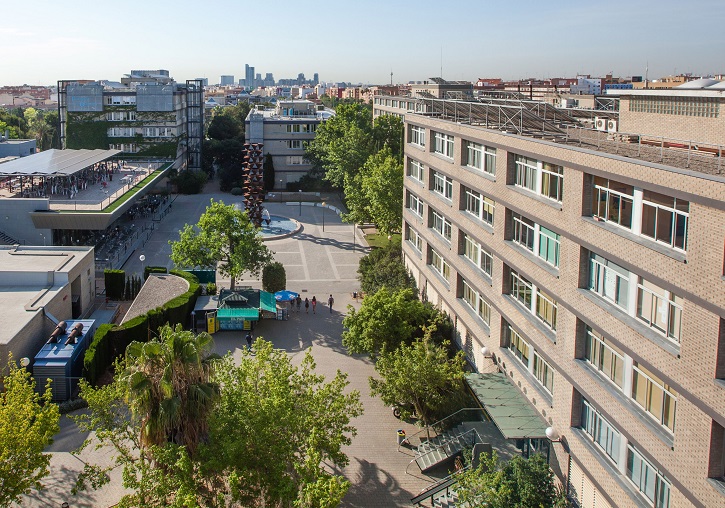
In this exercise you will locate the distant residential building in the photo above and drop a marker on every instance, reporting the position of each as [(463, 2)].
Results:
[(12, 148), (226, 80), (439, 88), (586, 85), (204, 81), (147, 116), (284, 131), (662, 83)]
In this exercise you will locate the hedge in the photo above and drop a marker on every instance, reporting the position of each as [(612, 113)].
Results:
[(115, 283), (111, 341), (152, 269)]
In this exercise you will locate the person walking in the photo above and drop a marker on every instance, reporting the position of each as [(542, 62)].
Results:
[(249, 340), (330, 301), (307, 305), (314, 304), (298, 301)]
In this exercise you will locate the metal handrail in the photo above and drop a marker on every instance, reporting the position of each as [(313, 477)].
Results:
[(436, 487), (437, 447), (442, 420)]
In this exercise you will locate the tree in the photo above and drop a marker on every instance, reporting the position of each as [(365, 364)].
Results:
[(274, 277), (170, 388), (268, 173), (224, 127), (275, 425), (385, 320), (420, 376), (382, 184), (388, 131), (28, 422), (384, 267), (517, 483), (223, 236)]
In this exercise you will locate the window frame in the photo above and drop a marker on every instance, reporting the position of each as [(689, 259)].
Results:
[(475, 301), (600, 354), (417, 135), (673, 312), (593, 423), (443, 185), (419, 173), (651, 381), (441, 225), (443, 144), (660, 481), (543, 372), (483, 259), (415, 205), (444, 270)]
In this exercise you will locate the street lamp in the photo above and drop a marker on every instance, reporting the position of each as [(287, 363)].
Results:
[(25, 361), (300, 196), (323, 216), (142, 258)]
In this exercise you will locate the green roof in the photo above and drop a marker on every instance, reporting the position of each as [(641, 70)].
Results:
[(267, 302), (514, 416), (239, 313)]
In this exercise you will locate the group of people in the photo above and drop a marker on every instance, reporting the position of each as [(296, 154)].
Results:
[(297, 303)]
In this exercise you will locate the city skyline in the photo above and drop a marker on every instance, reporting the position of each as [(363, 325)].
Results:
[(342, 44)]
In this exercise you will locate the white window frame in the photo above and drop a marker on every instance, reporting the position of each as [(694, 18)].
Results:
[(602, 433), (667, 392), (476, 302), (606, 196), (638, 472), (606, 279), (443, 185), (415, 204), (416, 170), (441, 224), (532, 175), (474, 252), (480, 206), (417, 135), (414, 239), (551, 306), (294, 144), (662, 303), (294, 128), (514, 339), (440, 265), (605, 358), (543, 372), (520, 286), (677, 216), (443, 144)]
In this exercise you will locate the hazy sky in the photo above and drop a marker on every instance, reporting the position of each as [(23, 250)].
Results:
[(44, 41)]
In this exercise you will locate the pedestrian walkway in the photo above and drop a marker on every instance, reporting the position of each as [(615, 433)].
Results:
[(318, 263)]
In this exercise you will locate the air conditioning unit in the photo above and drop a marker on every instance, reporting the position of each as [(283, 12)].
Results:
[(612, 125), (600, 124)]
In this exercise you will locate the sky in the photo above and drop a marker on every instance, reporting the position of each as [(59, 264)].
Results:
[(359, 42)]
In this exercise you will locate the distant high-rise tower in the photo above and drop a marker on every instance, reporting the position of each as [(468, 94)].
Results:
[(248, 75), (301, 78), (316, 79), (226, 80)]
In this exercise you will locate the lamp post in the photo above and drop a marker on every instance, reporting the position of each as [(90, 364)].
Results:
[(323, 216), (300, 198), (142, 258), (43, 235)]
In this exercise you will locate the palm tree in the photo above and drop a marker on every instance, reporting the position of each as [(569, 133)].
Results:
[(169, 388)]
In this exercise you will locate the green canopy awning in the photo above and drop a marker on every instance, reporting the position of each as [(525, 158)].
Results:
[(514, 416), (267, 302), (238, 313)]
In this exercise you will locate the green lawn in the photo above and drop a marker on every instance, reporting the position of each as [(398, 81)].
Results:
[(380, 240)]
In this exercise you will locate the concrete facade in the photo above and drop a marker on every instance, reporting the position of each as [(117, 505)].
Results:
[(561, 271)]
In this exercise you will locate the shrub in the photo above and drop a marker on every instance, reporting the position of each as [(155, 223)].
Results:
[(71, 405), (211, 288), (152, 269), (274, 277), (237, 191), (115, 283), (190, 182)]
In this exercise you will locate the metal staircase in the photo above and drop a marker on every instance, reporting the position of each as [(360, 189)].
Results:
[(6, 239), (446, 446)]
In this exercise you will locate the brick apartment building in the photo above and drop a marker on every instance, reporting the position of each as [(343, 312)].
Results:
[(587, 267)]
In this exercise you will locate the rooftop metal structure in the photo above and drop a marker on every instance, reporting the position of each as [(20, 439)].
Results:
[(55, 162)]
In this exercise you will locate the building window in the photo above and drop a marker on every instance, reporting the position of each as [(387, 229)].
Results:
[(600, 431), (543, 373), (417, 135), (415, 204), (480, 157), (443, 185), (609, 280), (704, 107), (441, 225), (521, 290), (294, 144), (664, 219), (604, 357), (648, 480), (440, 265), (294, 127), (524, 232), (295, 160), (660, 309), (413, 238), (415, 170), (518, 346), (716, 464), (443, 144), (480, 206), (656, 397), (476, 302), (613, 201), (549, 246), (546, 309), (478, 255), (539, 177)]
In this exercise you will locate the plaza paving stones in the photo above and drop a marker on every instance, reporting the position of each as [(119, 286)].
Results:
[(318, 263)]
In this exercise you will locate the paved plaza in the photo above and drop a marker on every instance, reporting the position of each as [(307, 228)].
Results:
[(318, 263)]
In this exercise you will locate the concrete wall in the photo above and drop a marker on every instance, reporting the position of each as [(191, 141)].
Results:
[(15, 220)]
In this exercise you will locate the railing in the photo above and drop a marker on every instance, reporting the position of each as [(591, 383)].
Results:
[(473, 432), (439, 486), (445, 424)]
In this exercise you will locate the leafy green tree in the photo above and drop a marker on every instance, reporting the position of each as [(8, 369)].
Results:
[(382, 184), (517, 483), (388, 131), (274, 277), (275, 426), (170, 388), (223, 236), (385, 320), (28, 422), (420, 375), (224, 127), (384, 267)]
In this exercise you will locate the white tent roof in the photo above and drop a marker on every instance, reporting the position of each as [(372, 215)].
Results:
[(55, 162)]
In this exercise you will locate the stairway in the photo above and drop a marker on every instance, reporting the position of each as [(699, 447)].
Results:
[(446, 446), (6, 239)]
